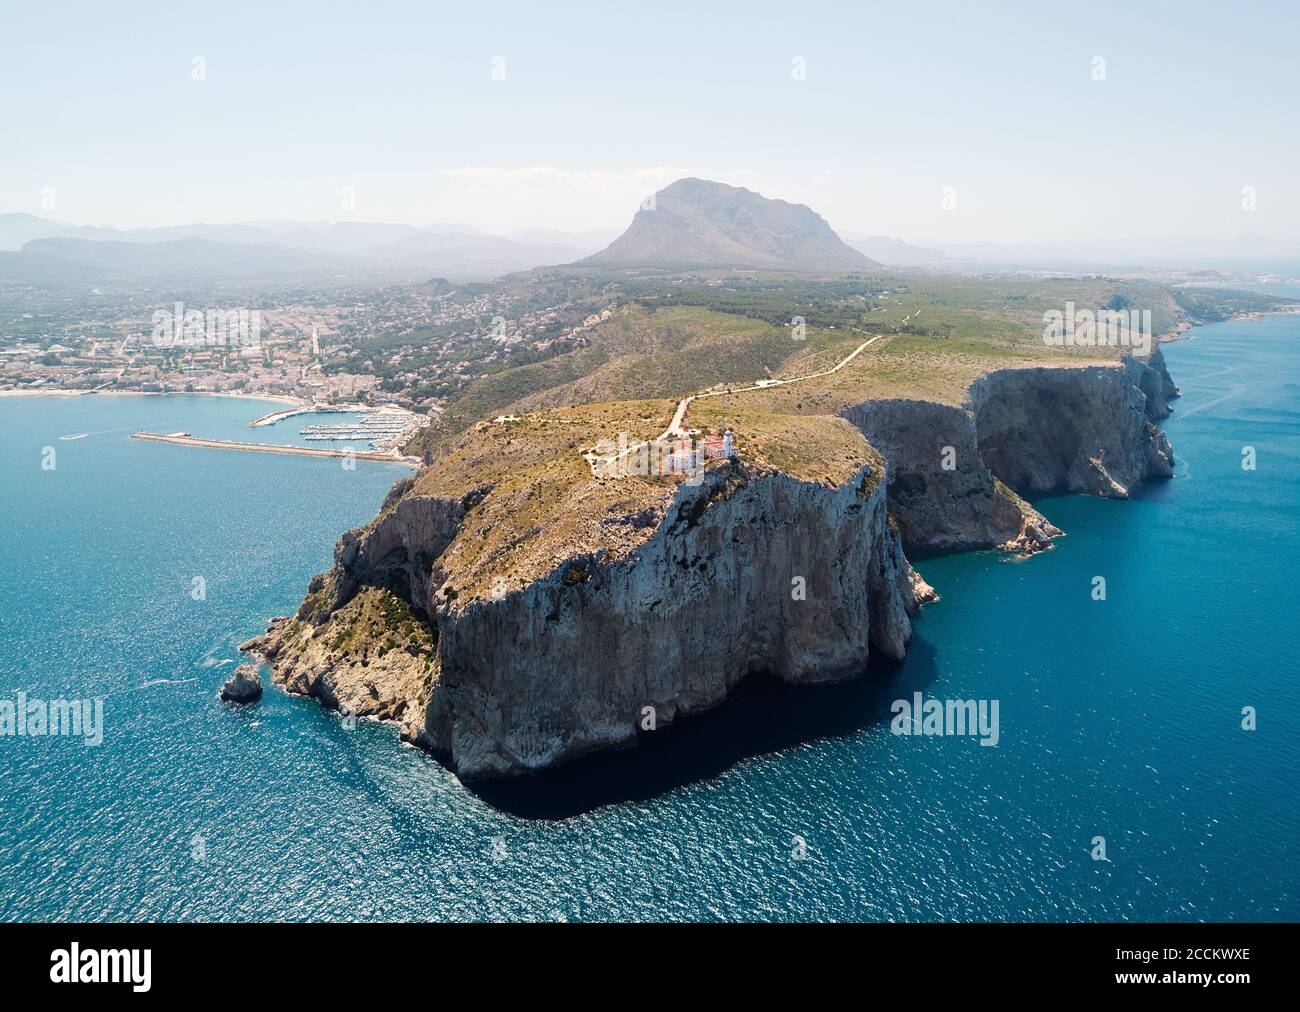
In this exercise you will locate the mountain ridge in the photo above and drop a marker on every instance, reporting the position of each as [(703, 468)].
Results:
[(51, 253)]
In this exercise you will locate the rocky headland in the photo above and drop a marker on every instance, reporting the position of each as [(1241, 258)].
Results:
[(511, 613)]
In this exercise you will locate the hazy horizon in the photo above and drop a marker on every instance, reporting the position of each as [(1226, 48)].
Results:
[(518, 118), (522, 232)]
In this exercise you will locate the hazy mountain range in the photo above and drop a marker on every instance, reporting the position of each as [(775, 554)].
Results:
[(41, 251), (1168, 251), (690, 223), (1069, 254), (894, 251)]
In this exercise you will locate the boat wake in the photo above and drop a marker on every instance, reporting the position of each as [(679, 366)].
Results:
[(164, 681), (83, 435)]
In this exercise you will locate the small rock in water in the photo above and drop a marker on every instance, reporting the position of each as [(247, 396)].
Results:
[(244, 686)]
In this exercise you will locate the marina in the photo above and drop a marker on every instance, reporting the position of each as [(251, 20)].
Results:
[(383, 430)]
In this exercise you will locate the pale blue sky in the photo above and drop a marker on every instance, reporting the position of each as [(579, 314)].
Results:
[(603, 103)]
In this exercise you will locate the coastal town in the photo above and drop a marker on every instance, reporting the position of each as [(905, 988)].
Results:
[(410, 347)]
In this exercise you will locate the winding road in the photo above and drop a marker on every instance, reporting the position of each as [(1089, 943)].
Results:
[(675, 426)]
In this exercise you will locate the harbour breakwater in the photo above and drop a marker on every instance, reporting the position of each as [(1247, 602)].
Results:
[(185, 439)]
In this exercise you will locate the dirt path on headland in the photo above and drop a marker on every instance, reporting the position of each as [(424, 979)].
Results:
[(676, 428)]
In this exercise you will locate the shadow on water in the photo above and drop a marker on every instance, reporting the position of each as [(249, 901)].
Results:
[(763, 715)]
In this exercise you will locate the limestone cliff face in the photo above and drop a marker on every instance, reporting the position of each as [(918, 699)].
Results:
[(747, 572), (955, 472), (751, 570), (1152, 378), (397, 551), (940, 493), (1084, 430)]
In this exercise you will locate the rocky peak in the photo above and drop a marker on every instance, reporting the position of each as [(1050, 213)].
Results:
[(700, 222)]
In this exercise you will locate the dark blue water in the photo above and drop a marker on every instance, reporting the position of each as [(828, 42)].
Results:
[(1119, 718)]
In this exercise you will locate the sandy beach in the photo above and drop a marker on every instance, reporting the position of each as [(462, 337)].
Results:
[(273, 398)]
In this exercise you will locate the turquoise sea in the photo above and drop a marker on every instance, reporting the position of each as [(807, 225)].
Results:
[(1119, 718)]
